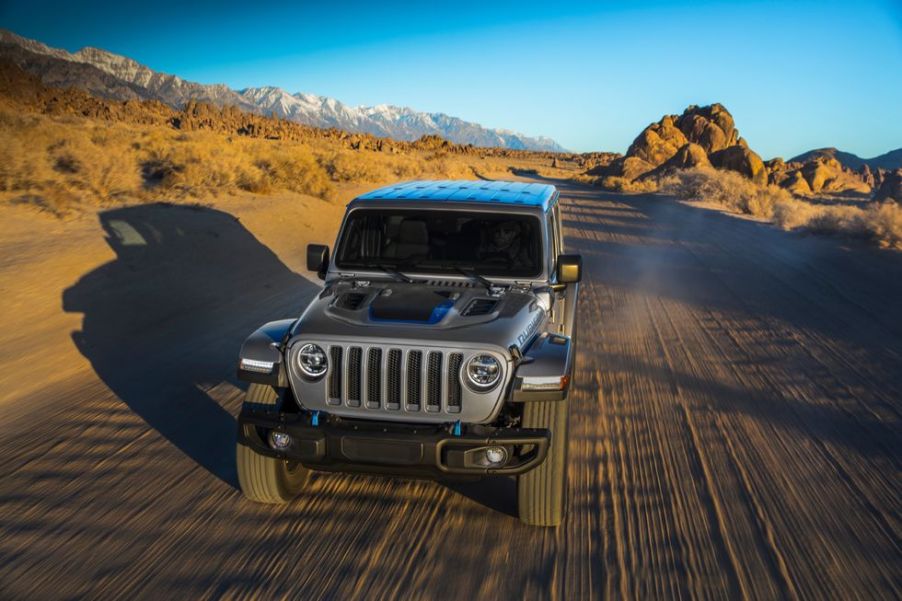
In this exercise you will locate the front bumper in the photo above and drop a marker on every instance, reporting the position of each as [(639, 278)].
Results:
[(390, 448)]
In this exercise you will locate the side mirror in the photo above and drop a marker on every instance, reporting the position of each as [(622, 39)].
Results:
[(318, 259), (569, 269)]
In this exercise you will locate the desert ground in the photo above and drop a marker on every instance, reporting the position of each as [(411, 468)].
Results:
[(735, 429)]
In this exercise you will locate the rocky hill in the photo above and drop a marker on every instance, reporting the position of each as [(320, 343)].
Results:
[(707, 137), (113, 76), (701, 136), (889, 161)]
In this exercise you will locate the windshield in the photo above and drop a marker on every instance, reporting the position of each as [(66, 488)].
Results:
[(440, 241)]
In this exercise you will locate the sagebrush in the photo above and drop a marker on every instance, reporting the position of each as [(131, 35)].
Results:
[(881, 223)]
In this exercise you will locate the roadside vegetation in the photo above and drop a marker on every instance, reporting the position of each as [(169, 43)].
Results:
[(61, 163), (879, 222)]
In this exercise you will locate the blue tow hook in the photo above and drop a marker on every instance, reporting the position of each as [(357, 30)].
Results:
[(314, 420), (456, 430)]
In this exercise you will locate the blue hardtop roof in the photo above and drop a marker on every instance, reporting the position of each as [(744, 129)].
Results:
[(497, 192)]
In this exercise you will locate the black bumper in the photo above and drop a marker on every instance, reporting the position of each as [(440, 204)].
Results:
[(393, 449)]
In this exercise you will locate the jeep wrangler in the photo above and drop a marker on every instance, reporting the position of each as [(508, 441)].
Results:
[(441, 346)]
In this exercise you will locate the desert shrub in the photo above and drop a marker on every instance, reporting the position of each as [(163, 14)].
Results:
[(623, 184), (726, 188), (354, 166), (884, 222), (293, 169), (881, 223), (63, 162), (199, 163)]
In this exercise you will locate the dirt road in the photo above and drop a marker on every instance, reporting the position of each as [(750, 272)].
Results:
[(735, 432)]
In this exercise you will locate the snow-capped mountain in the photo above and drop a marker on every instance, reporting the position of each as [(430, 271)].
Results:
[(114, 76), (398, 122)]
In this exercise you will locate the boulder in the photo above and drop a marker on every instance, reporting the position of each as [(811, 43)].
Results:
[(742, 160), (688, 156), (866, 175), (628, 167), (890, 186), (657, 142), (711, 127), (796, 184)]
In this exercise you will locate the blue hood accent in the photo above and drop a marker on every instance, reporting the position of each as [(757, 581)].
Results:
[(438, 313)]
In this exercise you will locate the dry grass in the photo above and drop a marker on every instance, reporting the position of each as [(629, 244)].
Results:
[(59, 164), (623, 184), (881, 223)]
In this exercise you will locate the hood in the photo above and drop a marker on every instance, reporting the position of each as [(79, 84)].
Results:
[(443, 311)]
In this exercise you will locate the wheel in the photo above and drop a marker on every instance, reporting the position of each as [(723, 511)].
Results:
[(267, 479), (542, 492)]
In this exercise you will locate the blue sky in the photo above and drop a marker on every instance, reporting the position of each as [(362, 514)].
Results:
[(795, 75)]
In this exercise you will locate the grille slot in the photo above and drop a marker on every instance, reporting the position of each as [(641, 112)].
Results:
[(393, 375), (454, 391), (480, 306), (335, 375), (374, 378), (414, 366), (354, 358), (434, 382)]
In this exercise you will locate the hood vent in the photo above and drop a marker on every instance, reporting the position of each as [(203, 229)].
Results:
[(480, 306), (350, 300)]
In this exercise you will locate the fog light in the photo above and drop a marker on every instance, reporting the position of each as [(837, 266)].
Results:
[(492, 457), (279, 440), (495, 455)]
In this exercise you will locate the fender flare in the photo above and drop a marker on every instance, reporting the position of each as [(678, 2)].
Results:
[(261, 358), (544, 371)]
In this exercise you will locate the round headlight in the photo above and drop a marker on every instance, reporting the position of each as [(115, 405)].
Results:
[(483, 372), (312, 360)]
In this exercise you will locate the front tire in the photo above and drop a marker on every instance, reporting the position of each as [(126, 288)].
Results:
[(542, 492), (267, 479)]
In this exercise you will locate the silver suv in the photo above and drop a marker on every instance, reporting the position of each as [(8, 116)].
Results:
[(441, 346)]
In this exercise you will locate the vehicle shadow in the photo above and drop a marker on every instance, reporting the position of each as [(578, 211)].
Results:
[(498, 493), (164, 320)]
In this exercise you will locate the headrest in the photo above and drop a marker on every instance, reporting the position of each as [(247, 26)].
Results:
[(413, 231)]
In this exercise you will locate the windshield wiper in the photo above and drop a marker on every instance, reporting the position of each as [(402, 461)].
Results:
[(474, 275), (394, 273)]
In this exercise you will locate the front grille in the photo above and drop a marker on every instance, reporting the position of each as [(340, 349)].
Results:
[(395, 380)]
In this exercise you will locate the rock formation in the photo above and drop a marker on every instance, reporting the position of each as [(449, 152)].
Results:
[(890, 186), (706, 137), (700, 137)]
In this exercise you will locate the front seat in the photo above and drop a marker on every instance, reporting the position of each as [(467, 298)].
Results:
[(412, 241)]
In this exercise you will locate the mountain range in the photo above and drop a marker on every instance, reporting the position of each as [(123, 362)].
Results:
[(889, 160), (117, 77)]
